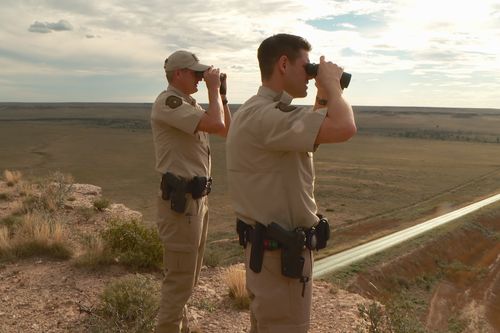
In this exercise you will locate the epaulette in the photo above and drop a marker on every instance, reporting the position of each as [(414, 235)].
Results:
[(173, 101), (285, 107)]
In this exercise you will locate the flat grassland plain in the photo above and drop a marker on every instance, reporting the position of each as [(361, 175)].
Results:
[(404, 166)]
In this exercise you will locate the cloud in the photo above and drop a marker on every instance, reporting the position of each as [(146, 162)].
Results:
[(62, 25), (46, 27), (373, 39), (361, 22)]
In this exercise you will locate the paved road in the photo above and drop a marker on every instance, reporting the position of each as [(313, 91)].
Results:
[(336, 261)]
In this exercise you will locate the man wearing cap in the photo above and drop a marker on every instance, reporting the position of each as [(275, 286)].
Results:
[(269, 151), (180, 133)]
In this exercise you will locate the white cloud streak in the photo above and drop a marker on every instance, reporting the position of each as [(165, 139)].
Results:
[(46, 27)]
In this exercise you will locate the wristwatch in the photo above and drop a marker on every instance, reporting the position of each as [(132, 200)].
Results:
[(321, 101)]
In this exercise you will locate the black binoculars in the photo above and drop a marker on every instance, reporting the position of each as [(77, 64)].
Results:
[(223, 87), (312, 70)]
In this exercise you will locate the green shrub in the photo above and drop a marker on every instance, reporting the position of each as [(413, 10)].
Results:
[(133, 244), (37, 248), (374, 318), (457, 325), (403, 313), (95, 254), (101, 204), (128, 304)]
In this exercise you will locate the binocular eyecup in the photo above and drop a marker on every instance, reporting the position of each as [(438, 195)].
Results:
[(312, 70)]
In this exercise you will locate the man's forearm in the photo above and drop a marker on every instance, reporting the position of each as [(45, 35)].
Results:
[(215, 109)]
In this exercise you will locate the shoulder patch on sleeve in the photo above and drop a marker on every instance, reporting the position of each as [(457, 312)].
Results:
[(285, 107), (173, 102)]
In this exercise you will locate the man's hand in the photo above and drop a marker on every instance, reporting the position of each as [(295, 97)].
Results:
[(223, 85), (328, 78), (212, 78), (339, 124)]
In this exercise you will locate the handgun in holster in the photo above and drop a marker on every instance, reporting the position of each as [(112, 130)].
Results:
[(174, 188), (292, 244), (243, 231), (257, 251)]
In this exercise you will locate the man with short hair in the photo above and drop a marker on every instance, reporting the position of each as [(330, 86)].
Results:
[(270, 149), (180, 133)]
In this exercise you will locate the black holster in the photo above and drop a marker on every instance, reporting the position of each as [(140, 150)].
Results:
[(322, 231), (243, 231), (200, 186), (292, 243), (257, 251), (174, 188)]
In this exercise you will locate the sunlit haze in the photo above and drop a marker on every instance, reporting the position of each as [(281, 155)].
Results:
[(440, 53)]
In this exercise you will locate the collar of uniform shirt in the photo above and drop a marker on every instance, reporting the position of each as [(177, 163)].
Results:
[(282, 96), (188, 98)]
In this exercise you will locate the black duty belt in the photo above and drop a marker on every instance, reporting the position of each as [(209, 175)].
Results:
[(174, 188), (292, 244), (314, 238)]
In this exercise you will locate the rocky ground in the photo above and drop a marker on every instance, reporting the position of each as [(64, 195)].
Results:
[(42, 295)]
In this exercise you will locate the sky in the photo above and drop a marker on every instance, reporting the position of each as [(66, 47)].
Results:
[(439, 53)]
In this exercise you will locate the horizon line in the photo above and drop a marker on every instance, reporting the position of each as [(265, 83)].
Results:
[(353, 105)]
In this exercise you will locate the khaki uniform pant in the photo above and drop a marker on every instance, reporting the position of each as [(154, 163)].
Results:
[(183, 237), (277, 304)]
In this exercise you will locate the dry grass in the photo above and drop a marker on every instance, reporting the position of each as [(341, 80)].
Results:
[(49, 194), (12, 177), (36, 234), (234, 277), (4, 239), (17, 207), (56, 190), (39, 227), (27, 189), (95, 254)]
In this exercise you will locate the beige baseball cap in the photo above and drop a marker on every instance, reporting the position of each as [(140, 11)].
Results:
[(183, 59)]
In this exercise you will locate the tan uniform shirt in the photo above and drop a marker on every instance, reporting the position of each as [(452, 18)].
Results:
[(270, 161), (178, 148)]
